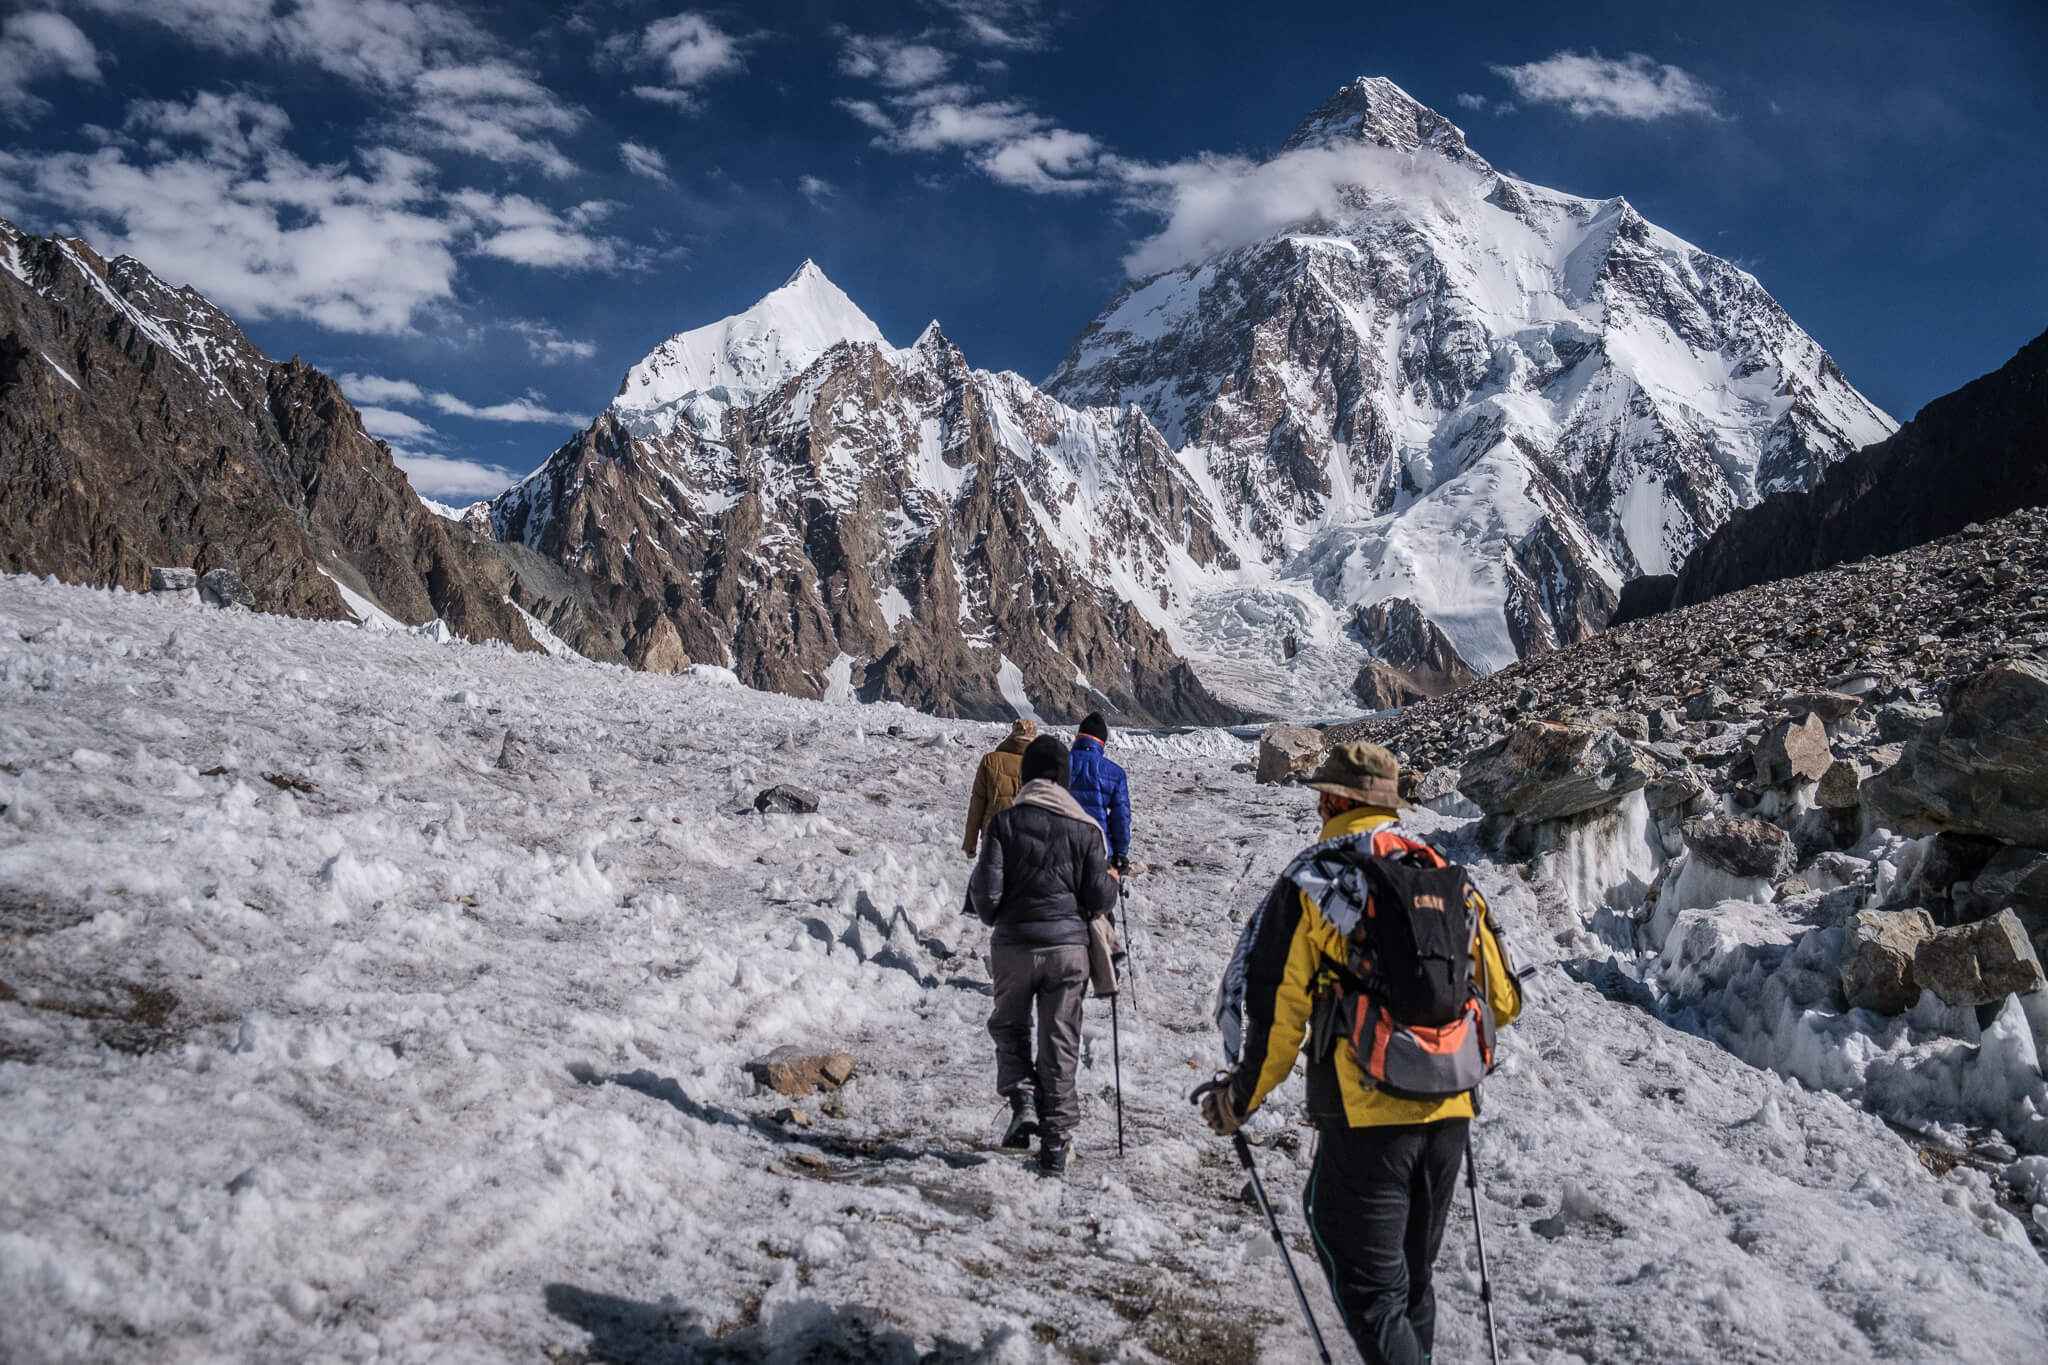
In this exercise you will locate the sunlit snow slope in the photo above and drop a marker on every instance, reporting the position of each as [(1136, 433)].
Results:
[(362, 998)]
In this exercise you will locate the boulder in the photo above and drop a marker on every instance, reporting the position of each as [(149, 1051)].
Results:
[(799, 1071), (784, 799), (1831, 707), (658, 648), (1792, 751), (1707, 703), (1663, 723), (1900, 721), (1741, 847), (173, 580), (224, 588), (1841, 786), (1977, 964), (1288, 753), (2015, 879), (1980, 769), (1676, 788), (1422, 788), (1876, 965), (1547, 771)]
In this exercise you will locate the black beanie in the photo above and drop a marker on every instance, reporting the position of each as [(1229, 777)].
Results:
[(1046, 757), (1095, 727)]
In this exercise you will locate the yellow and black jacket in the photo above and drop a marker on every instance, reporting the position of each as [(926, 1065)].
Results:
[(1269, 995)]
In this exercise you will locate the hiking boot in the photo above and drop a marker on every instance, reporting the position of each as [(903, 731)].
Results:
[(1053, 1152), (1023, 1118)]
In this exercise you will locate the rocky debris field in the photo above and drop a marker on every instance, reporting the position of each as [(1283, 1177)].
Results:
[(1808, 820), (1895, 633)]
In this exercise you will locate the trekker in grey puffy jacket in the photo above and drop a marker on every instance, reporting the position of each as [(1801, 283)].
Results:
[(1042, 875)]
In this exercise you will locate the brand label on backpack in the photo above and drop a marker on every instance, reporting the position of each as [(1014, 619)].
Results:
[(1405, 995)]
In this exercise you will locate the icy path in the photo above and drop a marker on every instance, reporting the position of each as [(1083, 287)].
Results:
[(335, 1023)]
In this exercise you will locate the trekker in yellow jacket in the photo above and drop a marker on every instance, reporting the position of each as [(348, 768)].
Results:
[(1379, 1191)]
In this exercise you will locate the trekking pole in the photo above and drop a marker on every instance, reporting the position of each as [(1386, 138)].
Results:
[(1123, 900), (1116, 1053), (1479, 1235), (1244, 1155)]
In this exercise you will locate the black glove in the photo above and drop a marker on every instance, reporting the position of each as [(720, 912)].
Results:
[(1121, 864)]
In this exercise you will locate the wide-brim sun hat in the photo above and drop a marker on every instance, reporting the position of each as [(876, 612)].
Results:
[(1359, 771)]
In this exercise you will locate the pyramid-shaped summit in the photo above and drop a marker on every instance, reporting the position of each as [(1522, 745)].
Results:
[(694, 376), (1373, 109)]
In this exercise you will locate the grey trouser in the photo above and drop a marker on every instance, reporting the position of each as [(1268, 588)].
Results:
[(1057, 979)]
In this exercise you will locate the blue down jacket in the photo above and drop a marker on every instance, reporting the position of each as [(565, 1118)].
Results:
[(1101, 788)]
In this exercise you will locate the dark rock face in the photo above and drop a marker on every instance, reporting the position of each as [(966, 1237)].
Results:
[(139, 429), (1971, 456), (1412, 660), (1649, 595)]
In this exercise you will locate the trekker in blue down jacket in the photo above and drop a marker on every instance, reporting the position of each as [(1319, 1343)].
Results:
[(1101, 788)]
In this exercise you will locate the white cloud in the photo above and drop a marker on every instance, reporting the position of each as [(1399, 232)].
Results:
[(1045, 163), (870, 113), (644, 161), (375, 389), (354, 250), (1011, 24), (449, 86), (370, 388), (36, 44), (939, 126), (815, 189), (458, 482), (395, 426), (547, 342), (893, 62), (516, 228), (690, 50), (1636, 87), (1471, 101), (231, 128), (1213, 204)]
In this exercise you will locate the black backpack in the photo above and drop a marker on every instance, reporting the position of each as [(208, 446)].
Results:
[(1405, 995)]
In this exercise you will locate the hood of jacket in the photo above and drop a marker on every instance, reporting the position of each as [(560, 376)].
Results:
[(1049, 795), (1015, 744)]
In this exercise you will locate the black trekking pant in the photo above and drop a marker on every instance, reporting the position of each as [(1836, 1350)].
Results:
[(1377, 1202)]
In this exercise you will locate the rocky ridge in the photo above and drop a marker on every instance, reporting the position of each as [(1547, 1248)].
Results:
[(140, 428), (859, 521), (1817, 808), (1971, 455)]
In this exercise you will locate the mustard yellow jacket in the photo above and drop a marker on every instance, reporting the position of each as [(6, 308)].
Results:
[(1285, 956)]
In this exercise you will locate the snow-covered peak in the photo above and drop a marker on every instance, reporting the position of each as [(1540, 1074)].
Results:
[(1374, 109), (695, 376)]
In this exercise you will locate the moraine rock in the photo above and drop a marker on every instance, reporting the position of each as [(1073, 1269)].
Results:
[(224, 588), (173, 580), (1977, 964), (1900, 721), (1288, 753), (1707, 703), (1793, 751), (1741, 847), (784, 799), (1982, 768), (1544, 771), (1831, 707), (795, 1071), (1876, 965), (1840, 786)]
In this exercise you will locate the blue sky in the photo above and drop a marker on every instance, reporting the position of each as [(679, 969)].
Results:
[(482, 215)]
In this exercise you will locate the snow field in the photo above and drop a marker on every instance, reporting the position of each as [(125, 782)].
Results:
[(371, 999)]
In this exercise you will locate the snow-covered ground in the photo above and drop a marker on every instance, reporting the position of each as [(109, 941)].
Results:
[(363, 998)]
